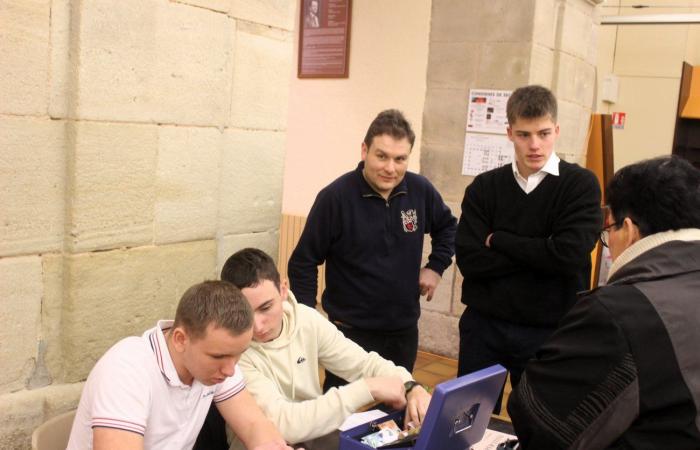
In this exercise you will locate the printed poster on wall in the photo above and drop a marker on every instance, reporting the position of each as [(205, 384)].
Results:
[(487, 111), (486, 144)]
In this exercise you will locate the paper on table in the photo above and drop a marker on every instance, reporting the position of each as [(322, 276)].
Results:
[(361, 418), (491, 440)]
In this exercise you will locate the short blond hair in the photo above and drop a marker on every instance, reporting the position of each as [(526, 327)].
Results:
[(213, 302)]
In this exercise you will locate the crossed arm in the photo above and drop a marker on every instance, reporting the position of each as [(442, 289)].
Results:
[(474, 258), (573, 235), (500, 252)]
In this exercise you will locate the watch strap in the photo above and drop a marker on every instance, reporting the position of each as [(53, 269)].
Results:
[(409, 385)]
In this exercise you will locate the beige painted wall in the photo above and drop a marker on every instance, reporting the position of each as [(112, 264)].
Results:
[(647, 59), (328, 118)]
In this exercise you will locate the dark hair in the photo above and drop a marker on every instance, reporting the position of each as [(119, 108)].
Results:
[(248, 267), (531, 102), (393, 123), (658, 194), (213, 302)]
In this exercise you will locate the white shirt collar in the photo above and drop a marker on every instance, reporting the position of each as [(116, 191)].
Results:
[(552, 165), (528, 184), (159, 344)]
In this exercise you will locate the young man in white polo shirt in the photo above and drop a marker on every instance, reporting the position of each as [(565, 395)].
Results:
[(153, 392)]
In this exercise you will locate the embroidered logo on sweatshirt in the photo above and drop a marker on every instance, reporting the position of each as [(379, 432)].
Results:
[(301, 360), (410, 220)]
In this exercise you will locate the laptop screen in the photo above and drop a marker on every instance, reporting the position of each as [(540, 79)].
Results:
[(460, 410), (457, 416)]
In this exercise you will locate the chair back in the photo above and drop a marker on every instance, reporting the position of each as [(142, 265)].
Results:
[(53, 434)]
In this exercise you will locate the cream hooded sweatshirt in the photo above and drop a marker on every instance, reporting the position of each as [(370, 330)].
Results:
[(283, 376)]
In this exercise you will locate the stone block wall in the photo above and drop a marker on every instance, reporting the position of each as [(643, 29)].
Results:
[(499, 44), (141, 143)]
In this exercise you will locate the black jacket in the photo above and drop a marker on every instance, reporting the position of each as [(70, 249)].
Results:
[(623, 369)]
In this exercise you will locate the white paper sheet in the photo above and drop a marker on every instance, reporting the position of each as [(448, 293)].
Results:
[(486, 111), (484, 152), (360, 418)]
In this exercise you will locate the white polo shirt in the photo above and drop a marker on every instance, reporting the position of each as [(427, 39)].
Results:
[(134, 387)]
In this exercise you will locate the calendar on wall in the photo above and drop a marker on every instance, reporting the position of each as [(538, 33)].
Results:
[(484, 152), (486, 144)]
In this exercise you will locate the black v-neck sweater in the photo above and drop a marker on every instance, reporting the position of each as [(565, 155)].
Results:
[(540, 249)]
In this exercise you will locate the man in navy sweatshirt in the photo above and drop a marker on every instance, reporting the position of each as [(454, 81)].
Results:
[(368, 227), (524, 241)]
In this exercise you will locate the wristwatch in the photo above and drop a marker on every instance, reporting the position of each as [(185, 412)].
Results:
[(409, 385)]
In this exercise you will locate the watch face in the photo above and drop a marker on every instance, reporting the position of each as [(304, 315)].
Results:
[(409, 385)]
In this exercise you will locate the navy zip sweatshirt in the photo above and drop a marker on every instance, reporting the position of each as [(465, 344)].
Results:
[(372, 248)]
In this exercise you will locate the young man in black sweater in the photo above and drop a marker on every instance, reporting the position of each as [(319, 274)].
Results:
[(523, 242)]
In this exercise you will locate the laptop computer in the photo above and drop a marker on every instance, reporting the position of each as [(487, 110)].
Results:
[(457, 416)]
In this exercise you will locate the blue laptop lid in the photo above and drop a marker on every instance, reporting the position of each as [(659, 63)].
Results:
[(460, 410)]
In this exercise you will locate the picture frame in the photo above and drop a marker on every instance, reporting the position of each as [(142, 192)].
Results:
[(324, 38)]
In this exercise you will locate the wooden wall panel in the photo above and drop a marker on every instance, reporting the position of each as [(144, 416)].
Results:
[(290, 231), (599, 159)]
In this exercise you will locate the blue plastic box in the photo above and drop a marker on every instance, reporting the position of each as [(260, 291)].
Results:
[(457, 417)]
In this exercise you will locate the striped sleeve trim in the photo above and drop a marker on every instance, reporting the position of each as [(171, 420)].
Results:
[(230, 392), (566, 431), (105, 422)]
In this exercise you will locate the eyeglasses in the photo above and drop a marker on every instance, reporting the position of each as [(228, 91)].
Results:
[(605, 233)]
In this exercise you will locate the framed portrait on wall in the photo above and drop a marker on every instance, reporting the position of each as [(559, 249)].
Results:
[(324, 38)]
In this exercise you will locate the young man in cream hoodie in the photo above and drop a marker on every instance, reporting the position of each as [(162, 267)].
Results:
[(290, 342)]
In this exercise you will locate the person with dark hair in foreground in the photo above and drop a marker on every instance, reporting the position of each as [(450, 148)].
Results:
[(623, 368), (290, 342), (368, 227), (154, 391)]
